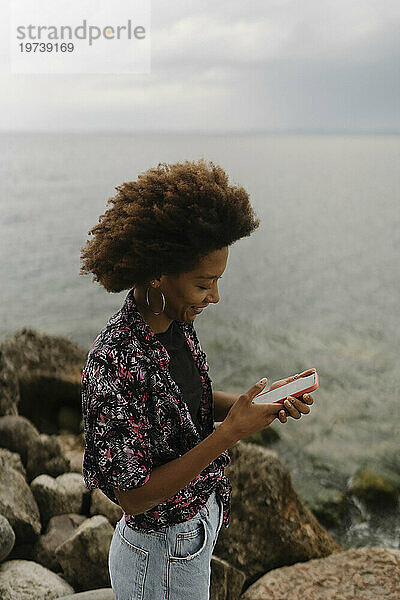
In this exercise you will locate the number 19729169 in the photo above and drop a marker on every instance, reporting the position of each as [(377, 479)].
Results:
[(46, 47)]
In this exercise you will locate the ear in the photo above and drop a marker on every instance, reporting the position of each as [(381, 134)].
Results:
[(156, 281)]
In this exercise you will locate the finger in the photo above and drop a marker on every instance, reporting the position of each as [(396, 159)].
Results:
[(299, 375), (301, 406), (307, 398), (308, 372), (270, 408), (282, 416), (281, 382), (291, 408), (256, 389)]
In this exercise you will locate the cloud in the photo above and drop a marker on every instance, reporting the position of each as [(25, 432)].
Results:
[(229, 66)]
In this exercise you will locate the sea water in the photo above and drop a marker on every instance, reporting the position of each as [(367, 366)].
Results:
[(316, 285)]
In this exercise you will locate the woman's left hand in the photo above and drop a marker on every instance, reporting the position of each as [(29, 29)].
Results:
[(295, 407)]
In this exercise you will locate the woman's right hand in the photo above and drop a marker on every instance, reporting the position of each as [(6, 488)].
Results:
[(246, 417)]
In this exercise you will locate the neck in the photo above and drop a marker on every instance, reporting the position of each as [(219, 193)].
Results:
[(158, 323)]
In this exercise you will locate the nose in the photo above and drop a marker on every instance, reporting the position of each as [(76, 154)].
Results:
[(213, 296)]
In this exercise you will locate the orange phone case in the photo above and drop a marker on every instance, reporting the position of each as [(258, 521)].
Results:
[(297, 394)]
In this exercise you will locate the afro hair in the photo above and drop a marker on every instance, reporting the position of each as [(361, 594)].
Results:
[(164, 223)]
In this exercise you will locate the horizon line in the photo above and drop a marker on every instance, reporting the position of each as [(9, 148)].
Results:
[(203, 132)]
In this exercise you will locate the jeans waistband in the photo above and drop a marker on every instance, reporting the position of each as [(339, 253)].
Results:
[(204, 510)]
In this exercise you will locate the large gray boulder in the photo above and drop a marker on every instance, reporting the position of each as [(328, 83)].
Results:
[(101, 505), (59, 529), (26, 580), (13, 460), (59, 496), (18, 434), (40, 453), (270, 526), (75, 458), (356, 574), (47, 457), (49, 370), (18, 505), (73, 447), (7, 538), (84, 556)]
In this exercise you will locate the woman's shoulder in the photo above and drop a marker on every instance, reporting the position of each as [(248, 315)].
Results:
[(116, 354)]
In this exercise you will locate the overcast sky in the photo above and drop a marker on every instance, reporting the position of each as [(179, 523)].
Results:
[(231, 66)]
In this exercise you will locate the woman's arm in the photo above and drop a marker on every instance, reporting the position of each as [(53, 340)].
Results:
[(166, 480), (222, 404), (171, 477)]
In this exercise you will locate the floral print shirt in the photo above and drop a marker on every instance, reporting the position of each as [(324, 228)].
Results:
[(135, 419)]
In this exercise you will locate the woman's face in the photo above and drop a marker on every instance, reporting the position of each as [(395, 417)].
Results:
[(187, 293)]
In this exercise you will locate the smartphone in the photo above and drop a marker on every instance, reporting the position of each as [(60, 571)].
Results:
[(296, 388)]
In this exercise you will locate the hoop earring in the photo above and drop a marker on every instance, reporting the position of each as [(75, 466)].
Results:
[(148, 302)]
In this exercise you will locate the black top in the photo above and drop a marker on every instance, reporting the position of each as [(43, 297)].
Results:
[(183, 369)]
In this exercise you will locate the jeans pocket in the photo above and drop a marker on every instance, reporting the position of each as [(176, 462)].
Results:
[(189, 544), (128, 565)]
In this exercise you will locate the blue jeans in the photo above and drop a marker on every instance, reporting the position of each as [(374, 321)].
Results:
[(172, 564)]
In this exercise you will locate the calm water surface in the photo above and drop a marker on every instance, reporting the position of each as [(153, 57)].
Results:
[(316, 285)]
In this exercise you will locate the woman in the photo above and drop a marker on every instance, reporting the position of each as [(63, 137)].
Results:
[(150, 441)]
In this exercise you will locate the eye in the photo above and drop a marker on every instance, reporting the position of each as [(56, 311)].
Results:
[(206, 288)]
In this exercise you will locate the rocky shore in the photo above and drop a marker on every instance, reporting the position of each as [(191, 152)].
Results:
[(55, 534)]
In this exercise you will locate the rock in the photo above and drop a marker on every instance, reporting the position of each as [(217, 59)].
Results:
[(374, 489), (101, 505), (322, 488), (18, 505), (330, 506), (26, 580), (70, 441), (99, 594), (270, 526), (356, 574), (73, 448), (18, 434), (39, 453), (84, 556), (13, 460), (59, 529), (9, 387), (59, 496), (7, 538), (265, 437), (75, 458), (49, 370), (46, 457), (226, 581)]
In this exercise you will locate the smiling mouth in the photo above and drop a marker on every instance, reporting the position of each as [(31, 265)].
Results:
[(197, 309)]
